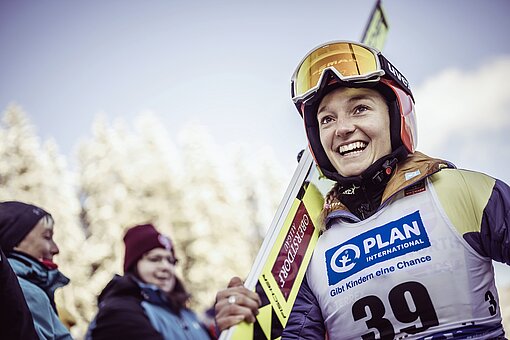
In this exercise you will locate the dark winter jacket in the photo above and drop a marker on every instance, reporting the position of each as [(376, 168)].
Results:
[(39, 284), (472, 208), (130, 310), (15, 319)]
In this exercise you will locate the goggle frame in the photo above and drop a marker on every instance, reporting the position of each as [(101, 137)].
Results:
[(383, 68)]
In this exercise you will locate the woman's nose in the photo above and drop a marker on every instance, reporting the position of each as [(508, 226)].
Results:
[(54, 248), (165, 264), (344, 127)]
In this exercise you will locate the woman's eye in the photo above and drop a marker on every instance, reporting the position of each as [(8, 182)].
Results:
[(360, 108), (325, 120)]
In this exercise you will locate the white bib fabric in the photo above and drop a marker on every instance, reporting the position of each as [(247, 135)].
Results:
[(403, 273)]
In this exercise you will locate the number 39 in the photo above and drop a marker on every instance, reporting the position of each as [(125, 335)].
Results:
[(423, 309)]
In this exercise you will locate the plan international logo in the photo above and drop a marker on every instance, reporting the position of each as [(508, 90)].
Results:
[(383, 243)]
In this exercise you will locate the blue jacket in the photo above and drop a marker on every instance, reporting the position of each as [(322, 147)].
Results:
[(15, 318), (38, 285), (470, 206), (131, 310)]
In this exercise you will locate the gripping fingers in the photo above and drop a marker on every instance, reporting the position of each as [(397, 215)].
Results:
[(229, 315), (235, 304)]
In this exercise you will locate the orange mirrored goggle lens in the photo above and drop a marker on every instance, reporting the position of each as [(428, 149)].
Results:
[(350, 60)]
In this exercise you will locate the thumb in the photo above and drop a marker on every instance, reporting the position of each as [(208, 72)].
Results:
[(235, 282)]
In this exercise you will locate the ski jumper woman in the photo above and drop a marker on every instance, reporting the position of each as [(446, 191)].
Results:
[(408, 240)]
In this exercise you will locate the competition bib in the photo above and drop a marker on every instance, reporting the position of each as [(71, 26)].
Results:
[(404, 273)]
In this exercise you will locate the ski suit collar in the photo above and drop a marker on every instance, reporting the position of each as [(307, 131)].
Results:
[(363, 193), (413, 169), (30, 269)]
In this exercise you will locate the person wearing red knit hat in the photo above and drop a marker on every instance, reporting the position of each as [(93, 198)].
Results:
[(149, 301)]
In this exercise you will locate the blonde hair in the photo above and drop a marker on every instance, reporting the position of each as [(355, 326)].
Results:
[(331, 203), (48, 220)]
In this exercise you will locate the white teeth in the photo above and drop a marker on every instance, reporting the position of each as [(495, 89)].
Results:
[(356, 146)]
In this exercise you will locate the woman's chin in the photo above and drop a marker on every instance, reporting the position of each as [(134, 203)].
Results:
[(351, 171), (166, 286), (352, 166)]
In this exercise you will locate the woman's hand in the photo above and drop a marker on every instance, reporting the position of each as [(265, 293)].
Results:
[(235, 304)]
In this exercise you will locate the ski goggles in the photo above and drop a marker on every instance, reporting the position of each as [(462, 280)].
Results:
[(350, 62)]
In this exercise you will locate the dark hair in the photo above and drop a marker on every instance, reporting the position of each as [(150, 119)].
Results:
[(177, 299)]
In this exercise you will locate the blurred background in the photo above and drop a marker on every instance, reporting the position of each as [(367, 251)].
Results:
[(122, 112)]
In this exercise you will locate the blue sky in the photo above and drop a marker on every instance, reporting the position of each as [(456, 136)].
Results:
[(226, 65), (223, 64)]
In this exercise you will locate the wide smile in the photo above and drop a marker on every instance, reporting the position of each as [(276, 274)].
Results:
[(162, 278), (352, 148)]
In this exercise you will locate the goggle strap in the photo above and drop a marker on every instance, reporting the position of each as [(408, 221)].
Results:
[(393, 73)]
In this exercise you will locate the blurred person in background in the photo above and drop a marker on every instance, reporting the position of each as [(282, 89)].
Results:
[(408, 241), (26, 237), (15, 319), (149, 301)]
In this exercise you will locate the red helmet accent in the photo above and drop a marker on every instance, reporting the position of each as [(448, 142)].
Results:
[(408, 129)]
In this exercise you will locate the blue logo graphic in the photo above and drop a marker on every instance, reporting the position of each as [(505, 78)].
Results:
[(383, 243)]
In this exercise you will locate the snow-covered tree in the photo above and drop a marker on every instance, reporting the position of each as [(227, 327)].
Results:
[(261, 181), (218, 241)]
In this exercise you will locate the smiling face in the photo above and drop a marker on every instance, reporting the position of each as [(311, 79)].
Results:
[(354, 129), (157, 267), (39, 241)]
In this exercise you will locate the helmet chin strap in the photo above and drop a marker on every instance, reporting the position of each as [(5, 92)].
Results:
[(387, 170), (375, 174)]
